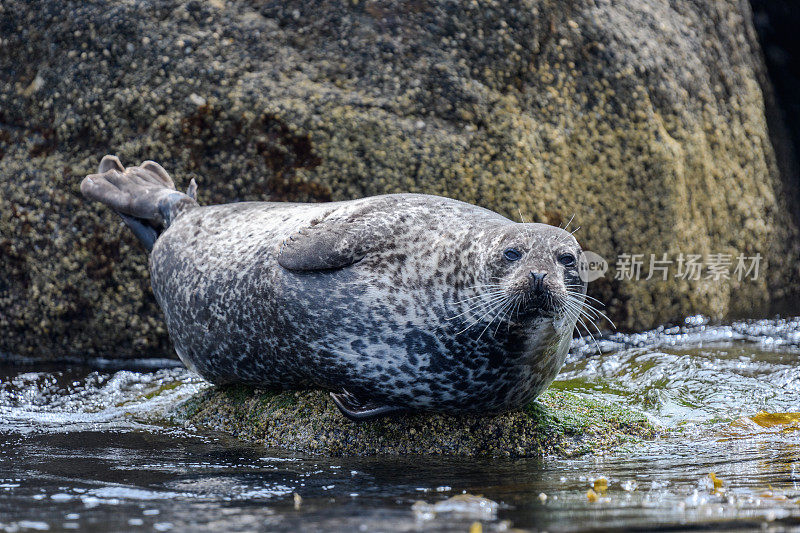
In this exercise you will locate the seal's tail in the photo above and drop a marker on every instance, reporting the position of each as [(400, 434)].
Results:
[(144, 196)]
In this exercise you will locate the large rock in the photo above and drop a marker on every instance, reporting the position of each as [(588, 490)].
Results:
[(644, 119)]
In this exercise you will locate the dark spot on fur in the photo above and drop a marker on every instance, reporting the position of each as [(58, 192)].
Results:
[(358, 345)]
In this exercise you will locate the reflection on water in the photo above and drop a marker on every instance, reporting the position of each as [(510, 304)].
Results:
[(82, 450)]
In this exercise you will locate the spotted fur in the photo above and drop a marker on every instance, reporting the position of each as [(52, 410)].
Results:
[(390, 298)]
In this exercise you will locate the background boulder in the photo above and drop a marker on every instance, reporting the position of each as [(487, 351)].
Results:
[(644, 119)]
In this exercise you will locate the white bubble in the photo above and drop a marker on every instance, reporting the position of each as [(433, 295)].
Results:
[(591, 266)]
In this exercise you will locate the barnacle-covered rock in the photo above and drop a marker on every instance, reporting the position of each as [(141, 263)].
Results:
[(644, 119)]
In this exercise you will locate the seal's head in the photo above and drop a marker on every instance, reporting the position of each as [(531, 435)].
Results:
[(535, 266)]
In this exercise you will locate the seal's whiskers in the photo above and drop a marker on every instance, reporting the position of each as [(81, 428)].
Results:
[(574, 312), (591, 311), (499, 313), (481, 304), (497, 305), (507, 314)]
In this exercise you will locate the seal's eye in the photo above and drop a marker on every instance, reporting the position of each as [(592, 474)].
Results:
[(512, 254), (568, 260)]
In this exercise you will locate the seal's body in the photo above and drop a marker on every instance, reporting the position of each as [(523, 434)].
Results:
[(392, 302)]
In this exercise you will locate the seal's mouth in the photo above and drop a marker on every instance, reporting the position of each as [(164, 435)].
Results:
[(544, 304), (540, 299)]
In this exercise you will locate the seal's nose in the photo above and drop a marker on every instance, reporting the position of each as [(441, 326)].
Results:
[(538, 281)]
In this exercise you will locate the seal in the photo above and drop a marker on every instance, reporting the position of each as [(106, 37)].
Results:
[(392, 303)]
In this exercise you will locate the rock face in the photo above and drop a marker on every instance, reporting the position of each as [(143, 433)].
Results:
[(643, 118)]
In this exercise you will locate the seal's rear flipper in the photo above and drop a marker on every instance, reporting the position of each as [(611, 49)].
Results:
[(356, 409), (144, 196)]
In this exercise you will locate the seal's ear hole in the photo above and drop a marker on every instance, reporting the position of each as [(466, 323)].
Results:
[(512, 254)]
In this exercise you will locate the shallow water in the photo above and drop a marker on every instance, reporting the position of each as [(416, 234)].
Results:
[(81, 449)]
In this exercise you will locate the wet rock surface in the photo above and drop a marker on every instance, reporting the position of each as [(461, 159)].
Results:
[(645, 120), (559, 423)]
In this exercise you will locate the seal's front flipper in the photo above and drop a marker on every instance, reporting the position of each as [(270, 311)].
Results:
[(338, 240), (357, 409), (144, 196), (321, 248)]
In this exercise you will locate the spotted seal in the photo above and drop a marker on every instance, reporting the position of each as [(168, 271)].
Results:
[(395, 302)]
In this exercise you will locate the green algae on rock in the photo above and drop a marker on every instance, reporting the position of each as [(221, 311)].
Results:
[(643, 118), (558, 423)]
